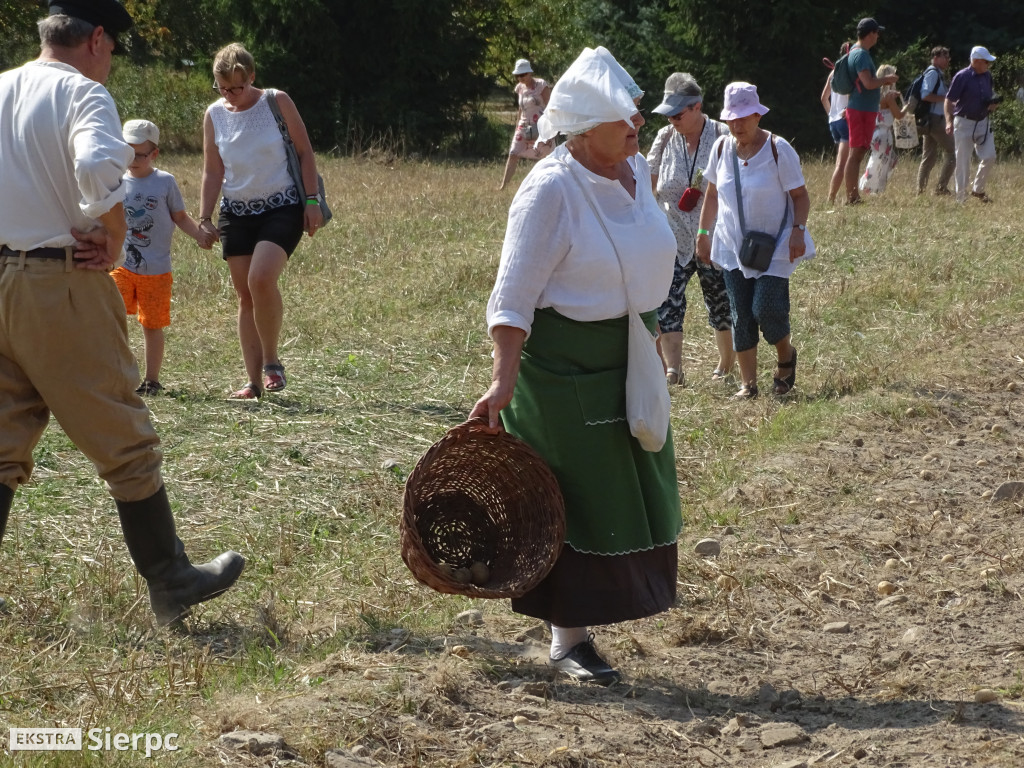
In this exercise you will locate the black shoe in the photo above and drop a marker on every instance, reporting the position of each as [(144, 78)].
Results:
[(148, 387), (583, 663)]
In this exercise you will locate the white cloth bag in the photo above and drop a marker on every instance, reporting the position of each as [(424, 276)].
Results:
[(648, 407), (647, 402), (905, 131)]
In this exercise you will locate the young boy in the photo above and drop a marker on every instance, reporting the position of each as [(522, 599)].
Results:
[(152, 206)]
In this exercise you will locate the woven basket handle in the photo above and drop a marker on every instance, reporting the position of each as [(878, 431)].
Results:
[(476, 424)]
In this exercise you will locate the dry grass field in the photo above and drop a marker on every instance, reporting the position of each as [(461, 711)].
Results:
[(785, 650)]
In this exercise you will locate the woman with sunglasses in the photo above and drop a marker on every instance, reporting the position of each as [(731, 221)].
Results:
[(533, 94), (262, 212), (677, 158)]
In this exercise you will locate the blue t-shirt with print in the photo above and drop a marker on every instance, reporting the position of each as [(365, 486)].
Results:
[(148, 205)]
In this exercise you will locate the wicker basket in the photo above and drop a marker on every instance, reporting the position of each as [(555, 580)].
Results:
[(480, 498)]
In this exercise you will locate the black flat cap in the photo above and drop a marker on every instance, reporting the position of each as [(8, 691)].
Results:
[(109, 14)]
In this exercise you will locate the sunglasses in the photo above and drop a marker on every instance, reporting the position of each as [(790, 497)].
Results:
[(233, 91), (679, 115)]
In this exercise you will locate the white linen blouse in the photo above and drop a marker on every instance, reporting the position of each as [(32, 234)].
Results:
[(62, 143), (766, 186), (556, 254)]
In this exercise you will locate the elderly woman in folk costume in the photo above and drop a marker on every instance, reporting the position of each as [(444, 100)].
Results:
[(583, 230)]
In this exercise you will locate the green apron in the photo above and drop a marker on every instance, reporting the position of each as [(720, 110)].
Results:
[(570, 406)]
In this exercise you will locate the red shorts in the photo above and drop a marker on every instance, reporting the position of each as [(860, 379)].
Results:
[(149, 295), (862, 127)]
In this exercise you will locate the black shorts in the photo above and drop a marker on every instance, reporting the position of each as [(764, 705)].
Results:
[(281, 226)]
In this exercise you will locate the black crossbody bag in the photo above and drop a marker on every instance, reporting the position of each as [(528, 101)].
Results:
[(758, 248)]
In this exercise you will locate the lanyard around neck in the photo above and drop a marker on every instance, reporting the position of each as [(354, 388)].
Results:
[(696, 152)]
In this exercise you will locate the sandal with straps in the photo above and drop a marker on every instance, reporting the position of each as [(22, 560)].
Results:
[(274, 379), (249, 392), (747, 392), (673, 377), (784, 385)]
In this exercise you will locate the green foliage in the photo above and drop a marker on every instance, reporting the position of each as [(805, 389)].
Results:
[(18, 31), (173, 99), (172, 31), (549, 34), (725, 41)]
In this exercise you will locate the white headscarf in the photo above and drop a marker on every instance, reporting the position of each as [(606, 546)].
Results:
[(595, 89)]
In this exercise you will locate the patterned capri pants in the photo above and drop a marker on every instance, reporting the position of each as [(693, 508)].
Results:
[(757, 302), (716, 299)]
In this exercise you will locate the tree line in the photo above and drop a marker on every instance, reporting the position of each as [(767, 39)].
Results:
[(417, 73)]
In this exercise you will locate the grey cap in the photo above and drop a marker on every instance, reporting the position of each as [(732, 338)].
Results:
[(681, 91)]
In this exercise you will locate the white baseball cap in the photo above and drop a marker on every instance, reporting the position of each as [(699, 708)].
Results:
[(981, 52), (141, 131)]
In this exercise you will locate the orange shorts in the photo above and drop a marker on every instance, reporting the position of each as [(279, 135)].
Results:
[(149, 295)]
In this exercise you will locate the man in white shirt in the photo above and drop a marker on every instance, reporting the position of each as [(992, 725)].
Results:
[(63, 337)]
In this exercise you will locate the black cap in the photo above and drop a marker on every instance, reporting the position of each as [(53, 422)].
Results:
[(867, 26), (109, 14)]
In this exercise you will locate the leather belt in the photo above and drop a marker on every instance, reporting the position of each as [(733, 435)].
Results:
[(36, 253)]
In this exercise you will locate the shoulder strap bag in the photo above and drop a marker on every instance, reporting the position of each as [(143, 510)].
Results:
[(758, 248), (647, 401), (294, 166)]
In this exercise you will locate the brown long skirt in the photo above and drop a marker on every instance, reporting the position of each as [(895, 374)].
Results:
[(583, 589)]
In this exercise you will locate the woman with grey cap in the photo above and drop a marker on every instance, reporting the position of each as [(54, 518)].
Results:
[(585, 241), (677, 159), (757, 202), (532, 94)]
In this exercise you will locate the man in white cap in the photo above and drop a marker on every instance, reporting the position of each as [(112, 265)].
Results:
[(969, 102), (63, 336)]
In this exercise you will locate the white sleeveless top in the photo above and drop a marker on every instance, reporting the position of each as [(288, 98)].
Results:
[(256, 174)]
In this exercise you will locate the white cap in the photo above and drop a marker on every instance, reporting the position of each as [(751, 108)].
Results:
[(141, 131), (522, 67), (981, 52)]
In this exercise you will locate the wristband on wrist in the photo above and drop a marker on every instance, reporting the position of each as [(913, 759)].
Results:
[(206, 218), (703, 232), (312, 201)]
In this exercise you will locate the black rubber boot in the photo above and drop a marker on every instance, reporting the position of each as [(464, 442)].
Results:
[(174, 583), (6, 499)]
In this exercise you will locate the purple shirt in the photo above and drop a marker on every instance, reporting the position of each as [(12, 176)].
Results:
[(970, 93)]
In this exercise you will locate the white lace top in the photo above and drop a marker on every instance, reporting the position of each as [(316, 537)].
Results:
[(255, 166)]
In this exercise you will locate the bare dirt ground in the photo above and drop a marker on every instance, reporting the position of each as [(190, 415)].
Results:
[(798, 656)]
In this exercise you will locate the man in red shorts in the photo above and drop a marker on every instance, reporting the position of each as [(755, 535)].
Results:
[(862, 110)]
